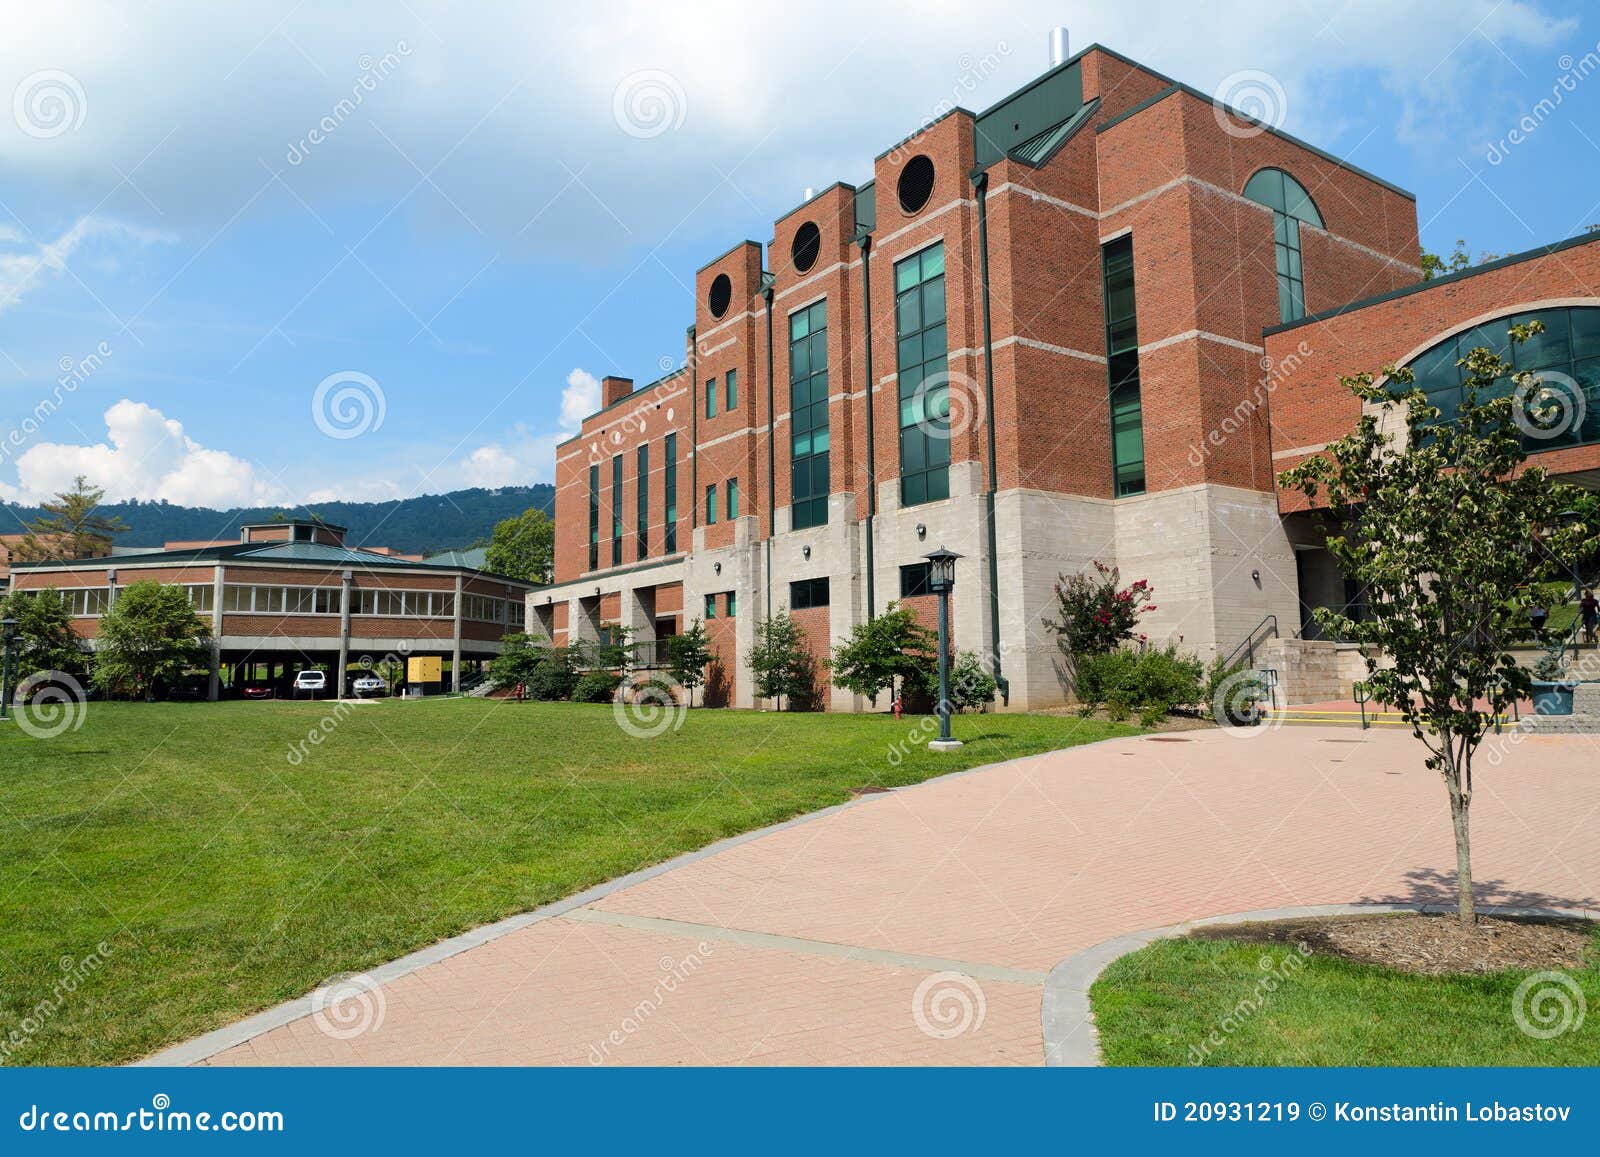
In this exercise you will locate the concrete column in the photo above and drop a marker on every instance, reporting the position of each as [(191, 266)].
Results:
[(213, 689), (455, 645), (344, 632)]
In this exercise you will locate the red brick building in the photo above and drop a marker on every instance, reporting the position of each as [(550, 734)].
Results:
[(1066, 328)]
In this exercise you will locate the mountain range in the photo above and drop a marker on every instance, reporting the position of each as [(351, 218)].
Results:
[(426, 524)]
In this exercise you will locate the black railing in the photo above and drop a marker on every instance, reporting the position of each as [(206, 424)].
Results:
[(1266, 629)]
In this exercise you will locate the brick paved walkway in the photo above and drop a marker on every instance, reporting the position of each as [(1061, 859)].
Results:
[(813, 944)]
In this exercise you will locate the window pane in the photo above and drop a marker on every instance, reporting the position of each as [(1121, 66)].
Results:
[(1550, 348)]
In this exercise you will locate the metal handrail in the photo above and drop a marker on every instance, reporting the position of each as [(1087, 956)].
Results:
[(1248, 646)]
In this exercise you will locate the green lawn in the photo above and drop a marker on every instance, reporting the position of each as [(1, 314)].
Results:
[(225, 879), (1161, 1005)]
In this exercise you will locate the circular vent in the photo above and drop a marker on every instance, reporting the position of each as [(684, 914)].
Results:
[(807, 244), (916, 183), (721, 295)]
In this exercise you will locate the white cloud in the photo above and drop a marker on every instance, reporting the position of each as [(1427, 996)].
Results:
[(23, 269), (525, 457), (514, 116), (146, 456)]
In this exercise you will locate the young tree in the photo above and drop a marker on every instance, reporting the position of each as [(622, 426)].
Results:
[(151, 635), (892, 649), (70, 526), (1439, 522), (45, 639), (523, 547), (781, 661), (688, 656), (972, 686)]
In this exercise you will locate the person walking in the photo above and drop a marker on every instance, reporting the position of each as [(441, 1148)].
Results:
[(1589, 615)]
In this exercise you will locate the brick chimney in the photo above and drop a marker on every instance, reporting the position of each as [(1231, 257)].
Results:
[(614, 389)]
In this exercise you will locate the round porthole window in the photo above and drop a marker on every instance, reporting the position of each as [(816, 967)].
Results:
[(807, 244), (721, 294), (916, 183)]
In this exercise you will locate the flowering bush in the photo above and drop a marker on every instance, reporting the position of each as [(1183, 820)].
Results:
[(1095, 616)]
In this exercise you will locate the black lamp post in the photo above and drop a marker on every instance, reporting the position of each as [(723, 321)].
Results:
[(941, 580), (8, 641)]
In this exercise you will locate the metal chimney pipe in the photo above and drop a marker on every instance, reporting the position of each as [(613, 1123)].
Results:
[(1058, 46)]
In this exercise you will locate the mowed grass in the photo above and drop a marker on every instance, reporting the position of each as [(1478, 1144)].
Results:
[(1162, 1005), (224, 878)]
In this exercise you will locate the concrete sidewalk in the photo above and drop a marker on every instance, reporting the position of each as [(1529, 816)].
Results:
[(917, 927)]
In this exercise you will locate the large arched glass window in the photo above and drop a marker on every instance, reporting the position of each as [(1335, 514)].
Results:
[(1290, 205), (1566, 356)]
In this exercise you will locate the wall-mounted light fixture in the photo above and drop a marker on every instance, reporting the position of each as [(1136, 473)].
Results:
[(717, 568), (922, 531), (805, 552), (1255, 576)]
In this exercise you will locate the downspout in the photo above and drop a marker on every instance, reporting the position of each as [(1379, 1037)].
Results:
[(772, 493), (980, 180), (694, 436), (865, 241)]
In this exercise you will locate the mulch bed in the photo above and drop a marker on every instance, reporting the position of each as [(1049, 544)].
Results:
[(1431, 945)]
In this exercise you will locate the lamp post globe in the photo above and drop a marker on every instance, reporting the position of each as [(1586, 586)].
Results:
[(941, 580)]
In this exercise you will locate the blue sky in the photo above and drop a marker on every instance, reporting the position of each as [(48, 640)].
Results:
[(505, 206)]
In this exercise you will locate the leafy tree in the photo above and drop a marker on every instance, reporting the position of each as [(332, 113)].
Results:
[(781, 661), (890, 652), (1095, 616), (688, 656), (71, 526), (45, 639), (151, 635), (1435, 266), (1442, 523), (523, 547)]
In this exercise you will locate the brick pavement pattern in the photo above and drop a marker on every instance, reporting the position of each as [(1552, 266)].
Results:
[(1014, 867)]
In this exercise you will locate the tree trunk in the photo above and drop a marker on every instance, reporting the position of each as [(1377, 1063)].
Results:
[(1466, 909)]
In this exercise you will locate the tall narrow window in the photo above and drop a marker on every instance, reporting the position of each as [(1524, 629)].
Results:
[(1290, 205), (594, 517), (1122, 363), (733, 498), (669, 535), (616, 510), (711, 606), (808, 416), (711, 505), (924, 381), (731, 393), (711, 398), (642, 522)]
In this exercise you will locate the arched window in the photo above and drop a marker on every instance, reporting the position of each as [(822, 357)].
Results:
[(1290, 205), (1566, 356)]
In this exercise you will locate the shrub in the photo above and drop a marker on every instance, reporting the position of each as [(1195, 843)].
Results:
[(1154, 678), (596, 687), (972, 687), (554, 676)]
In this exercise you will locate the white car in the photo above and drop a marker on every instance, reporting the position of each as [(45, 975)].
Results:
[(310, 683), (368, 686)]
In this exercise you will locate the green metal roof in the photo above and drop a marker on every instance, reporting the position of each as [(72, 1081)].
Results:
[(1037, 150), (476, 558), (288, 553), (1033, 109)]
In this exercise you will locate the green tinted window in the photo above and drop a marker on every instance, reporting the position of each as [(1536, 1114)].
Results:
[(923, 375), (808, 416), (1290, 205), (1122, 368)]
